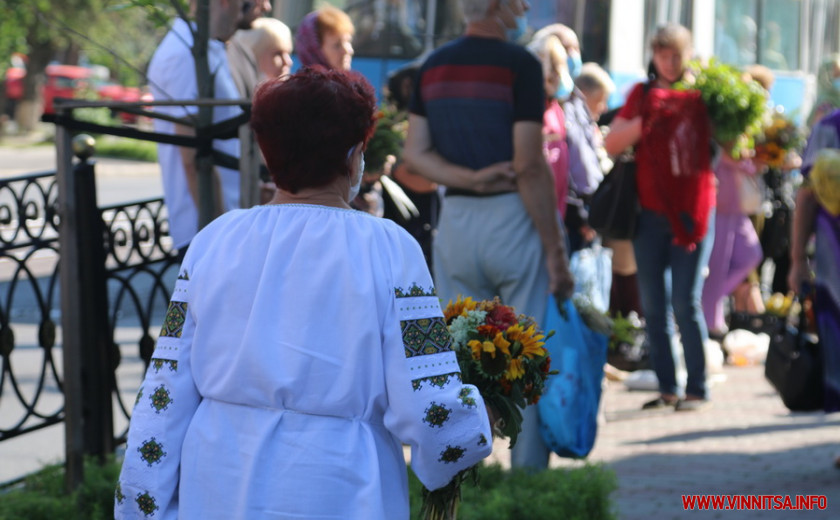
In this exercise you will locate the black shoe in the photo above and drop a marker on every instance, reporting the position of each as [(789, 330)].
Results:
[(660, 402)]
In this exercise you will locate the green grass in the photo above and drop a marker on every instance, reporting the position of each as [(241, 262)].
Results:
[(568, 494), (42, 495), (126, 149)]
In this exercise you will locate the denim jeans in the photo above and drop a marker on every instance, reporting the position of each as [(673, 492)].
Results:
[(670, 285)]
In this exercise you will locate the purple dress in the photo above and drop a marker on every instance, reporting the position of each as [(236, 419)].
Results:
[(826, 265), (736, 250)]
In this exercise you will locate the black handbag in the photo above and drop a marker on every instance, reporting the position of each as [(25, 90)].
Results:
[(794, 367), (614, 207)]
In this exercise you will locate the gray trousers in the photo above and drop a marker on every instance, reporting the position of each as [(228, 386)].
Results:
[(486, 247)]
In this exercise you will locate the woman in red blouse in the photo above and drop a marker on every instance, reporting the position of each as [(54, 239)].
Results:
[(670, 131)]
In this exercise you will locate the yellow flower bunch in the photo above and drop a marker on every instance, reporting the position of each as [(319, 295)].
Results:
[(502, 355), (779, 136)]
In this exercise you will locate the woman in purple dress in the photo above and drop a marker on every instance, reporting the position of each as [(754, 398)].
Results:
[(812, 219)]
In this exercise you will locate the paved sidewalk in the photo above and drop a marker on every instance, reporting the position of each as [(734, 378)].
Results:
[(748, 443)]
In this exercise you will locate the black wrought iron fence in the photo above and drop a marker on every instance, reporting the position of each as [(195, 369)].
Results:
[(128, 267), (30, 381), (117, 267), (141, 268)]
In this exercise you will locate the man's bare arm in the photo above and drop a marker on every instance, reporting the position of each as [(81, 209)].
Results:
[(188, 160), (191, 170), (536, 187), (804, 218), (422, 159)]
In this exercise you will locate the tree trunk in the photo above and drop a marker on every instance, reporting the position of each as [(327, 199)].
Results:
[(29, 109), (204, 160)]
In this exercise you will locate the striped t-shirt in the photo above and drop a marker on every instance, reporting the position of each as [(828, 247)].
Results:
[(471, 91)]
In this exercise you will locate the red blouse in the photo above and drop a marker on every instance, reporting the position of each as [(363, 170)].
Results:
[(673, 174)]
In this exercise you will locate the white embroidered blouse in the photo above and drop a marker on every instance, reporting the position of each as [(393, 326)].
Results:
[(302, 347)]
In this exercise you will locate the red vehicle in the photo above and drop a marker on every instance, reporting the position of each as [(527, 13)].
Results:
[(71, 81), (65, 81)]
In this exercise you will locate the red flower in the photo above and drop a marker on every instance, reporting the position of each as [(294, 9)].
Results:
[(488, 331), (501, 316), (506, 386)]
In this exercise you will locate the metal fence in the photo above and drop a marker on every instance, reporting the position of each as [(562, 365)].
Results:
[(124, 270), (117, 266), (31, 369)]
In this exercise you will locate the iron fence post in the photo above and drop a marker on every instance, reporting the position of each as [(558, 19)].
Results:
[(71, 322), (96, 347), (84, 311)]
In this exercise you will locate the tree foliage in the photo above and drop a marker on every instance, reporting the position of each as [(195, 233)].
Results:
[(105, 32)]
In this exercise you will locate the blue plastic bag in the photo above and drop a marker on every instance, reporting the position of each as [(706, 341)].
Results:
[(568, 408)]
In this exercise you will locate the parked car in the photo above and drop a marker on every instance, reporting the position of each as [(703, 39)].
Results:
[(74, 82)]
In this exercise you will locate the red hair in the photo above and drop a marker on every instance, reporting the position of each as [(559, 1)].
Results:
[(307, 124)]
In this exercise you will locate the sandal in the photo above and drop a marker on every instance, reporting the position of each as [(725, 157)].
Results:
[(661, 402)]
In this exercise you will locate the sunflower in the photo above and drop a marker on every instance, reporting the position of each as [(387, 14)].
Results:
[(459, 308), (501, 343), (477, 347), (515, 369), (529, 339)]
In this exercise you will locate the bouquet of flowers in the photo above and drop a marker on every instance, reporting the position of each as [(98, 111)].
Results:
[(779, 136), (387, 140), (502, 354), (735, 106)]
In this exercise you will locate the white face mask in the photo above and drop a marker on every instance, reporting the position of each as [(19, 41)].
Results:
[(354, 188)]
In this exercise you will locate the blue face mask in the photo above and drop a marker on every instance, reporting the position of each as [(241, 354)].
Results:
[(575, 64), (566, 87), (514, 35), (836, 83)]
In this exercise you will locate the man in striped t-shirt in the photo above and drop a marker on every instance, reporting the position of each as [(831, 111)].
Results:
[(476, 128)]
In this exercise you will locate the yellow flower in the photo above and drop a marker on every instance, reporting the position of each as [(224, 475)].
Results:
[(475, 347), (530, 340), (501, 343), (489, 305), (488, 346), (459, 308), (515, 369)]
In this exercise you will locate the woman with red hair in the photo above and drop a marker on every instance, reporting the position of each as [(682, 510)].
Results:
[(325, 37), (304, 345)]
